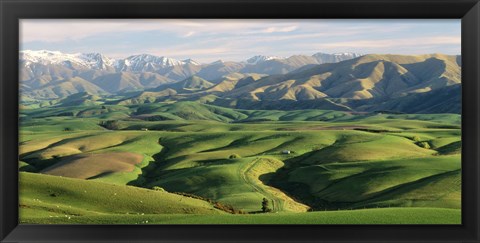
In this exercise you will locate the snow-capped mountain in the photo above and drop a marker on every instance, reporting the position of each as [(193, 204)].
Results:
[(152, 63), (76, 60), (260, 58), (190, 61), (319, 57), (146, 63), (335, 57), (97, 61), (53, 74)]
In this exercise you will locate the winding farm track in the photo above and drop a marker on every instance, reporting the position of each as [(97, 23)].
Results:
[(280, 201), (250, 173), (253, 182)]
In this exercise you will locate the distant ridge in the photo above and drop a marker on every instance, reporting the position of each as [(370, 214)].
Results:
[(429, 83), (39, 70)]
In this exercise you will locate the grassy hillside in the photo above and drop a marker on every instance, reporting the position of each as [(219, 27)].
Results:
[(335, 160), (55, 200), (44, 198), (194, 111), (371, 140), (193, 156)]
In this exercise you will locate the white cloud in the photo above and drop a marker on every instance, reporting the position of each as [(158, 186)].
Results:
[(49, 30), (279, 29), (190, 33), (420, 41), (228, 39)]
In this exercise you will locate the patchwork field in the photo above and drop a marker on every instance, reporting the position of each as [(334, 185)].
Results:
[(186, 162)]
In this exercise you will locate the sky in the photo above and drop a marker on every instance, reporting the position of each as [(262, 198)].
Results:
[(208, 40)]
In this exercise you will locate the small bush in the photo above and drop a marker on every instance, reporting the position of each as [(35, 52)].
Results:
[(227, 208), (234, 156), (110, 125), (416, 138), (67, 113), (424, 145), (157, 188), (217, 205)]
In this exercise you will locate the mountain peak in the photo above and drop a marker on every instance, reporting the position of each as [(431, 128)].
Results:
[(261, 58), (146, 63), (347, 54), (82, 60), (335, 57), (219, 61), (190, 61)]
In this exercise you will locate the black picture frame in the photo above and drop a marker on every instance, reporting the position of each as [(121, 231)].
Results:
[(13, 10)]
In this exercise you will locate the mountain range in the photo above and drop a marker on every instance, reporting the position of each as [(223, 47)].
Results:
[(348, 82), (52, 74)]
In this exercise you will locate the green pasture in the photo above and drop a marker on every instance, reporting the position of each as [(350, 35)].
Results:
[(346, 168)]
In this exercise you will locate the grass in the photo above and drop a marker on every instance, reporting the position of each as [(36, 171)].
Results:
[(369, 181), (55, 200), (331, 165), (43, 195), (383, 216)]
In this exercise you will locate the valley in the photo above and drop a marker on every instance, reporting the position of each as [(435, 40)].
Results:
[(338, 162), (363, 139)]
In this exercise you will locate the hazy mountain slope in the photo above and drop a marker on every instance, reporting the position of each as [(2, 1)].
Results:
[(443, 100), (64, 88), (180, 72), (233, 81), (277, 65), (369, 76), (38, 68), (336, 57), (365, 83), (218, 69), (79, 99), (280, 66), (191, 84), (36, 74), (148, 97), (125, 81)]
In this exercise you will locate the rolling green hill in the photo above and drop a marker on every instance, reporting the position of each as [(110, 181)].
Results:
[(370, 140), (47, 199), (188, 145), (54, 200)]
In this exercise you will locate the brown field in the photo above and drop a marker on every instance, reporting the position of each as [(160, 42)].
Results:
[(87, 166)]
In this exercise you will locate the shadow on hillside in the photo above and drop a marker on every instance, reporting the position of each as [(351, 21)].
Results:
[(144, 178), (299, 192)]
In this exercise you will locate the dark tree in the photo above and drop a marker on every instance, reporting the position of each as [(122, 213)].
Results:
[(110, 125), (266, 206)]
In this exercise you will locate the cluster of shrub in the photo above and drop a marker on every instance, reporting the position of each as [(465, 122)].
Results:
[(422, 144), (217, 205), (110, 125), (374, 130)]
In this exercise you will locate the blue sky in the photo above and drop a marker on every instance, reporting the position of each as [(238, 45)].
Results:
[(236, 40)]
